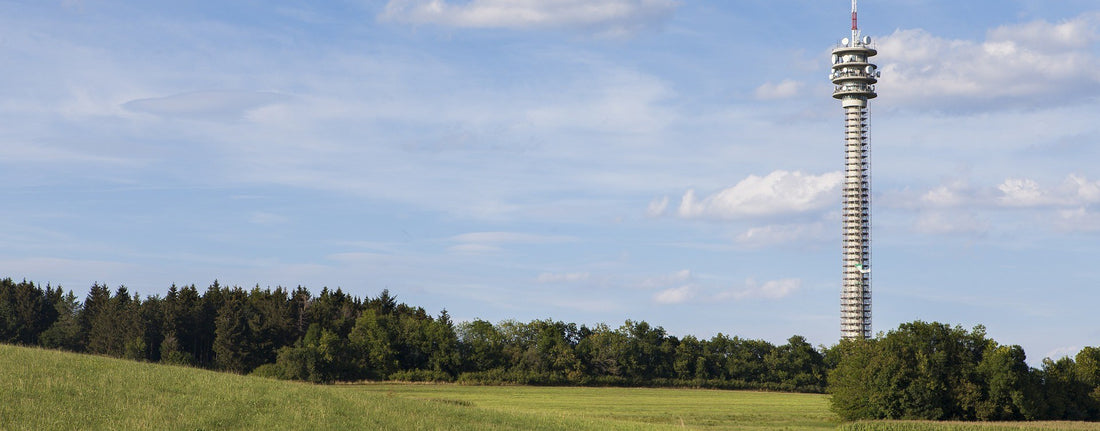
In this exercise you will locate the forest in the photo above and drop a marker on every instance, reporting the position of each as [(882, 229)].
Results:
[(919, 371)]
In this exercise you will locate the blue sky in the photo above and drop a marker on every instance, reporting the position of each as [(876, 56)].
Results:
[(583, 160)]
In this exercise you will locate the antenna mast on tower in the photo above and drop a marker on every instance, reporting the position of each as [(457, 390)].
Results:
[(855, 22)]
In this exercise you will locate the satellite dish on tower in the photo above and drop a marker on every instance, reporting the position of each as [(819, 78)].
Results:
[(844, 41), (866, 40)]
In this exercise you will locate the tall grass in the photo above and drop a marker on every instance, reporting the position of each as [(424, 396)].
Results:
[(44, 390)]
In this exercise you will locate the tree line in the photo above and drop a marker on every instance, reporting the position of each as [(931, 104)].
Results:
[(919, 371), (933, 371), (333, 336)]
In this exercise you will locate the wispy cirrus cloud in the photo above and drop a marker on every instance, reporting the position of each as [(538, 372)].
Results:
[(775, 234), (206, 105), (511, 238), (569, 277), (662, 281), (489, 242), (603, 17)]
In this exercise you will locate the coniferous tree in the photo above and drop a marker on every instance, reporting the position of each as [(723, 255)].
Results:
[(65, 333), (110, 329), (25, 311), (300, 301), (150, 326), (235, 347), (95, 304), (206, 314)]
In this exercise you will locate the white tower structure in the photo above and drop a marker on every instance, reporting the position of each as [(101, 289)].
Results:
[(854, 79)]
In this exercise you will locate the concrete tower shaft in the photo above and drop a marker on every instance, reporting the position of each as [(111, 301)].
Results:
[(854, 79)]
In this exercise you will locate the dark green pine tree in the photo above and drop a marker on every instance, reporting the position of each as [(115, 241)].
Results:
[(234, 348), (25, 311), (95, 304), (65, 333)]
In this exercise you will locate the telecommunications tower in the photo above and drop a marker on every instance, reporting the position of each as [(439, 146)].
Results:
[(854, 79)]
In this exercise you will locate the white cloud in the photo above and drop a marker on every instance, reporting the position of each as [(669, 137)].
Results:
[(1016, 65), (783, 90), (779, 192), (1078, 220), (959, 208), (1062, 352), (1076, 190), (605, 17), (948, 195), (571, 277), (1069, 35), (775, 289), (675, 295), (1081, 188), (657, 207), (1024, 192)]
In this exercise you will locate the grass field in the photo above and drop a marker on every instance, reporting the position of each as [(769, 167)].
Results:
[(43, 390), (632, 408)]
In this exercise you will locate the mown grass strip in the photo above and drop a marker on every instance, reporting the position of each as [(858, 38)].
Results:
[(636, 408)]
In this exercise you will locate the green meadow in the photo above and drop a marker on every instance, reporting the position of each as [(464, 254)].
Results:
[(631, 408), (45, 389)]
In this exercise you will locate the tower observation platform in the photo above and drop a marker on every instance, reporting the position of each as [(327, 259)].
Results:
[(854, 78)]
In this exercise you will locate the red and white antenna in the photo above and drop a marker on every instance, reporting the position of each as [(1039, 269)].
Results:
[(855, 23)]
